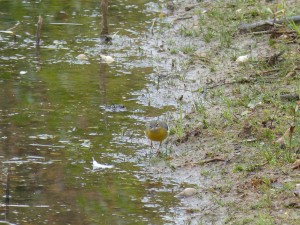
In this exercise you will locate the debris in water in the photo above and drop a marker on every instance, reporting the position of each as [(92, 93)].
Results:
[(107, 58), (97, 165), (82, 57), (42, 136), (86, 144)]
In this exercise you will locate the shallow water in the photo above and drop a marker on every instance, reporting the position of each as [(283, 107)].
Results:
[(58, 112)]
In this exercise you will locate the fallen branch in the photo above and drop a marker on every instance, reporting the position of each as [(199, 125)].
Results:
[(265, 24), (183, 18)]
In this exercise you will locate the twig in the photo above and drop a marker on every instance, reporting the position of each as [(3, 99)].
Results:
[(38, 30), (265, 24), (15, 26), (7, 190), (241, 80), (151, 28), (215, 159), (183, 18), (261, 73), (71, 24), (104, 10), (112, 37)]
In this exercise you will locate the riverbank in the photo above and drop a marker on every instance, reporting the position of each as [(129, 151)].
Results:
[(234, 136)]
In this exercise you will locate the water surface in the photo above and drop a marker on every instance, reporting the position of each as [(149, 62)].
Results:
[(57, 112)]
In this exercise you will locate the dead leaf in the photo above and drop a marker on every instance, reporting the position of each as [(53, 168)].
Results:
[(268, 124), (286, 136), (290, 74), (296, 165), (247, 130), (297, 191), (258, 181), (273, 59)]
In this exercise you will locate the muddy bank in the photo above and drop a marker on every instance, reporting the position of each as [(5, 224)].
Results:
[(233, 136)]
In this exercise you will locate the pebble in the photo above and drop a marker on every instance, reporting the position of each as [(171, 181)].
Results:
[(188, 192)]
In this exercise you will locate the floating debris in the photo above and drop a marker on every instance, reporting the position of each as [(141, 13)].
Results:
[(97, 165), (71, 24), (82, 57), (6, 31), (42, 136), (114, 108), (107, 59), (24, 206), (86, 144)]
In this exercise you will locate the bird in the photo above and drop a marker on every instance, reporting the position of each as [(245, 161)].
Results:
[(157, 130)]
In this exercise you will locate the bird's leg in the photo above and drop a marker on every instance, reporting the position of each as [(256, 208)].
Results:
[(158, 150)]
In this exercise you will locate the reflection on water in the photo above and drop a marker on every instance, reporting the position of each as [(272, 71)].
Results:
[(58, 112)]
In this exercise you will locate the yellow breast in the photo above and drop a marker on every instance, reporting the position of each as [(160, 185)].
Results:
[(157, 134)]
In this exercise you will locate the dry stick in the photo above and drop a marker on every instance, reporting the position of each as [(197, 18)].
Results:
[(231, 82), (14, 27), (38, 30), (272, 32), (7, 188), (183, 18), (152, 26), (215, 159), (104, 9), (265, 24)]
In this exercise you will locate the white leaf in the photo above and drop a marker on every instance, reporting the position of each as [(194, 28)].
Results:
[(97, 165)]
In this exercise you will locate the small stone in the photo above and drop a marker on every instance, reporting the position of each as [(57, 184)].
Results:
[(243, 58), (188, 192), (82, 57), (107, 58)]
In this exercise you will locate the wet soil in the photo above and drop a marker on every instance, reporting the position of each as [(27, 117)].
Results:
[(229, 115)]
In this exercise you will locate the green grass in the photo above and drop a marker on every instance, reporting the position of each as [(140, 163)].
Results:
[(252, 97), (188, 49), (179, 127), (264, 219)]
